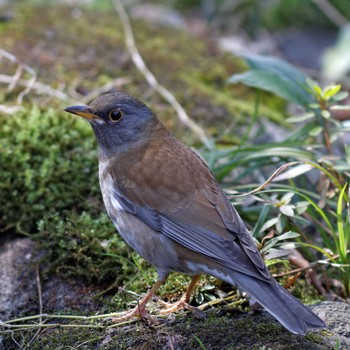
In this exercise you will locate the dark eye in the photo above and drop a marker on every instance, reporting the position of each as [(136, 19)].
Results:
[(115, 115)]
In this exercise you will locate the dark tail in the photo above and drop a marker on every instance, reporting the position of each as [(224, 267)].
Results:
[(282, 305)]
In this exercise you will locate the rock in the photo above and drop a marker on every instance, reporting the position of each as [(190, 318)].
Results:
[(234, 331), (17, 277), (337, 317), (69, 294), (158, 14), (19, 290)]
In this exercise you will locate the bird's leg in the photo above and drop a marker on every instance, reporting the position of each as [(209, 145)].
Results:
[(183, 303), (140, 309)]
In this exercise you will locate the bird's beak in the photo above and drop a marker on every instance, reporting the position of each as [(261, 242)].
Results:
[(82, 111)]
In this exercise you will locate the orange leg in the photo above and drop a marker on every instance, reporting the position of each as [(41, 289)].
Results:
[(140, 309), (183, 303)]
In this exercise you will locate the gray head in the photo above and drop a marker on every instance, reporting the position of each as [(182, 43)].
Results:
[(120, 122)]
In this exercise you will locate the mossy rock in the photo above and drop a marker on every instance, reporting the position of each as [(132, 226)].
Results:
[(219, 331)]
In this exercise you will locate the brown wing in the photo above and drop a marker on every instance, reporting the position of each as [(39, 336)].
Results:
[(172, 190)]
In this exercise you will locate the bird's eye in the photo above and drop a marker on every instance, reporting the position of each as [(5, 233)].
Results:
[(115, 115)]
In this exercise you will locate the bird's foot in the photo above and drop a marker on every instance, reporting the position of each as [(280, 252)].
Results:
[(182, 304), (139, 311)]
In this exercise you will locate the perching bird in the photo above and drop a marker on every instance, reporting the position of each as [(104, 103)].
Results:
[(166, 204)]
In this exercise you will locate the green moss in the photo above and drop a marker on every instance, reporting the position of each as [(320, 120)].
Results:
[(85, 246), (315, 338), (268, 328), (48, 163)]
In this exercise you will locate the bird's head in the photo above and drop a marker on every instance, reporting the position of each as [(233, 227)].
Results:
[(120, 122)]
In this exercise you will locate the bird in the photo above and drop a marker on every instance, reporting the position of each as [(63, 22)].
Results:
[(166, 204)]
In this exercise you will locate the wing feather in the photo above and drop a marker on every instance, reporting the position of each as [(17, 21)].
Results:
[(180, 198)]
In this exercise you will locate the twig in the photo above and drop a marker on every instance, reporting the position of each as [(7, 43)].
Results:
[(35, 85), (220, 300), (149, 76), (105, 88), (280, 170), (49, 325), (14, 80), (297, 259), (9, 109), (37, 272), (311, 266), (309, 217), (331, 12), (170, 342)]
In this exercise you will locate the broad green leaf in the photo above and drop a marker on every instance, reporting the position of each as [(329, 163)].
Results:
[(277, 66), (340, 96), (317, 90), (301, 207), (287, 210), (315, 131), (286, 198), (330, 91), (314, 105), (326, 114), (274, 83)]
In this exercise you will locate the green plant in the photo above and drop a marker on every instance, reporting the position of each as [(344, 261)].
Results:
[(312, 207)]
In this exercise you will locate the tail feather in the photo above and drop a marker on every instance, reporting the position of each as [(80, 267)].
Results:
[(282, 305)]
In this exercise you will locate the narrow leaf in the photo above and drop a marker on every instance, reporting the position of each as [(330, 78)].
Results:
[(293, 172), (301, 118), (268, 224)]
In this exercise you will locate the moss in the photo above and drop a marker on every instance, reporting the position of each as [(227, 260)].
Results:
[(315, 338), (48, 163), (86, 246), (58, 339)]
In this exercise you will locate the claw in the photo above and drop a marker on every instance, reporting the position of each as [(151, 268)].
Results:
[(140, 312), (182, 305)]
